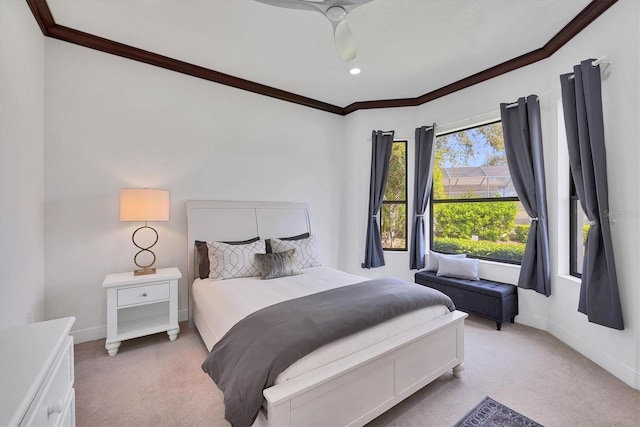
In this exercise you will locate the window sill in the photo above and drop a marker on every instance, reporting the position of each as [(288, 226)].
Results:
[(500, 264), (569, 278)]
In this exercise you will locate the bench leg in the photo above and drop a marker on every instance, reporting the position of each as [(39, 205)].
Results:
[(498, 325), (513, 320)]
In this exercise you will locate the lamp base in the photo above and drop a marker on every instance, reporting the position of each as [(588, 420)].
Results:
[(144, 271)]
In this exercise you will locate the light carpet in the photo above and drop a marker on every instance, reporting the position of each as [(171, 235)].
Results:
[(155, 382)]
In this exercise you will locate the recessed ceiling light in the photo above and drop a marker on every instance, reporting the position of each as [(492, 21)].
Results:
[(354, 71)]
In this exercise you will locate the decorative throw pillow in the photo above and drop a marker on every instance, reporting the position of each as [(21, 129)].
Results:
[(306, 249), (434, 257), (298, 237), (230, 261), (462, 268), (203, 255), (279, 264)]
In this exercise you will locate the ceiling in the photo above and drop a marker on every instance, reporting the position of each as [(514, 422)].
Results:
[(405, 48)]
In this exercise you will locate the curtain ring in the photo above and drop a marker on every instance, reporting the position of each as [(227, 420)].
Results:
[(533, 219), (593, 222)]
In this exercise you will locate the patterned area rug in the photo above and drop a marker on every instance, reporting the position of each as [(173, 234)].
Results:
[(490, 413)]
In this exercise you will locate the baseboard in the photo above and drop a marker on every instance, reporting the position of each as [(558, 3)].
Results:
[(533, 321), (100, 333), (606, 362), (86, 335)]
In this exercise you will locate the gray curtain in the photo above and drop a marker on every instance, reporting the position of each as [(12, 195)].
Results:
[(582, 105), (425, 149), (522, 133), (380, 156)]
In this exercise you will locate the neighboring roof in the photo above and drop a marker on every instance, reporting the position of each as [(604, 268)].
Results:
[(482, 181)]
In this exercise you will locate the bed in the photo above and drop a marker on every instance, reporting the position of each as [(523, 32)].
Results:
[(372, 370)]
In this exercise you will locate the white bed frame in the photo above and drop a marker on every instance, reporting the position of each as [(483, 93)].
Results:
[(348, 392)]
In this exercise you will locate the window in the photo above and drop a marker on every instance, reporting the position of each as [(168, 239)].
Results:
[(393, 213), (474, 207), (578, 229)]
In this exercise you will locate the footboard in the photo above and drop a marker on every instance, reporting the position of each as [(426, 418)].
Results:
[(354, 390)]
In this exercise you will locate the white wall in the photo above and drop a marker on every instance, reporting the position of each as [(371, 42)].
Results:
[(21, 165), (614, 34), (113, 123)]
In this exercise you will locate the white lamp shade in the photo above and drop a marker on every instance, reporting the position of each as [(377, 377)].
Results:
[(143, 204)]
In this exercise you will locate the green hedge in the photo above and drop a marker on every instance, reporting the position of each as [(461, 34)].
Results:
[(489, 220), (520, 233), (481, 248)]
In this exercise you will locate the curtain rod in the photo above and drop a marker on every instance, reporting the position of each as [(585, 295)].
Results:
[(486, 117), (515, 104), (602, 60)]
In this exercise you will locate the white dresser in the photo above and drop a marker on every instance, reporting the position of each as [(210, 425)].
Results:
[(36, 374)]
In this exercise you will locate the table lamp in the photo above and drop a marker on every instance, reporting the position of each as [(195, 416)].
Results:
[(143, 204)]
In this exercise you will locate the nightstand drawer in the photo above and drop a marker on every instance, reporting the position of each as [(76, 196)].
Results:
[(143, 294), (54, 395)]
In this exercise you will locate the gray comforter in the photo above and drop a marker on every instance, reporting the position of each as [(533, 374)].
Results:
[(258, 348)]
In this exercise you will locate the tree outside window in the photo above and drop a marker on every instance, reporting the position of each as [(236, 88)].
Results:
[(393, 213), (474, 206), (578, 230)]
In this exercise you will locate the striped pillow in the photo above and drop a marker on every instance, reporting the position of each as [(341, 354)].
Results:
[(279, 264)]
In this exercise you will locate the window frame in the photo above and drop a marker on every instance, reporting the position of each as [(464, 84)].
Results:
[(574, 206), (433, 201), (399, 202)]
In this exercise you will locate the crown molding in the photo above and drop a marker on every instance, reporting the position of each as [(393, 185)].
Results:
[(50, 28)]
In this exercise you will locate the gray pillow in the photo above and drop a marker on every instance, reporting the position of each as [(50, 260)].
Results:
[(278, 264), (462, 268), (432, 264)]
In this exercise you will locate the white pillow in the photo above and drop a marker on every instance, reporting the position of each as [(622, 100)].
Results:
[(462, 268), (432, 264), (230, 261), (306, 249)]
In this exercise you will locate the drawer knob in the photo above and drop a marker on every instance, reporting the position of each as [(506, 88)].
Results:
[(56, 408), (144, 294)]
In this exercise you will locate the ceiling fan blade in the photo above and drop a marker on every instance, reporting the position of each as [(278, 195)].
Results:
[(345, 42), (290, 4), (350, 4), (334, 10)]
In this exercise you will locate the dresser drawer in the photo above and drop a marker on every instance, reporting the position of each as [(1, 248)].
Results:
[(68, 416), (53, 396), (143, 294)]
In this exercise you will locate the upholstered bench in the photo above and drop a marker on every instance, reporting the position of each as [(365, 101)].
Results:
[(494, 300)]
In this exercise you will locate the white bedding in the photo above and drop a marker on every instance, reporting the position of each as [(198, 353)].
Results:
[(223, 303)]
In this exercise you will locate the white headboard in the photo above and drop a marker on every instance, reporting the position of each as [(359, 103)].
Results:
[(209, 220)]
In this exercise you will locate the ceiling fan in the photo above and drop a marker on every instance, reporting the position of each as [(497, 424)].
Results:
[(336, 12)]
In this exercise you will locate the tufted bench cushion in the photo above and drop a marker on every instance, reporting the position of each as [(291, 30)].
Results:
[(494, 300)]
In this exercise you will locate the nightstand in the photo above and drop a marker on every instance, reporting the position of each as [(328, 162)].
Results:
[(141, 305)]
